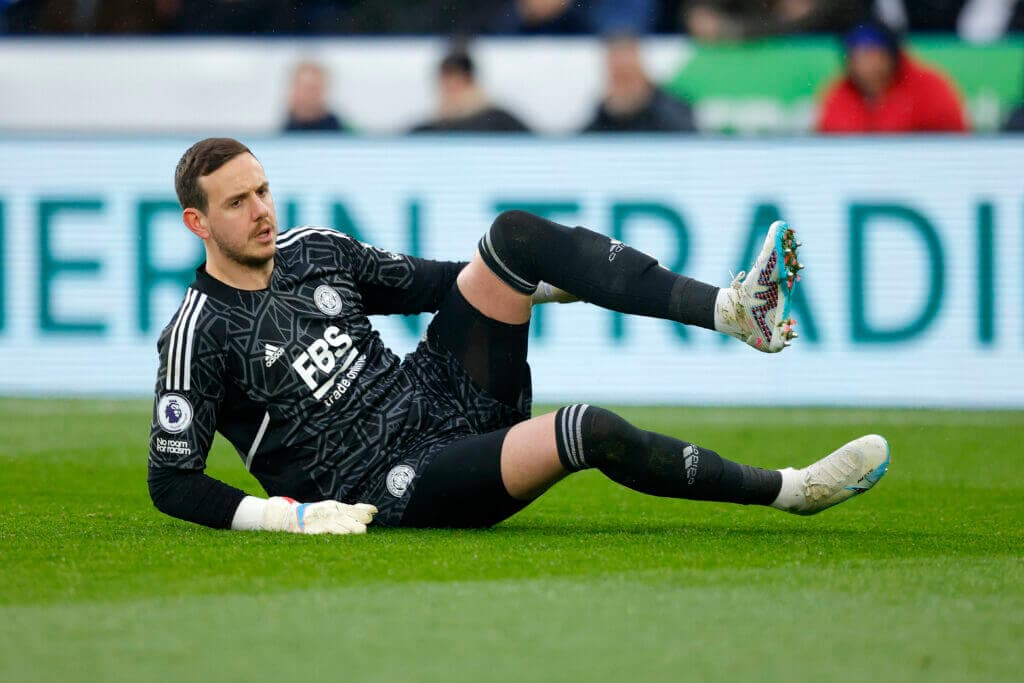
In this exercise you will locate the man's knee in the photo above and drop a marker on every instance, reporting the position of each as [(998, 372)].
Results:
[(522, 249), (590, 436), (509, 248)]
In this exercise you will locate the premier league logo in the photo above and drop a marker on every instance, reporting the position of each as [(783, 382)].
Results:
[(174, 413), (327, 300)]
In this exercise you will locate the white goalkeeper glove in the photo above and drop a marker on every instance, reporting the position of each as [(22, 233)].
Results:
[(284, 514)]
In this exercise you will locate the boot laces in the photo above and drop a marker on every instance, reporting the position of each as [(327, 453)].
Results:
[(823, 478)]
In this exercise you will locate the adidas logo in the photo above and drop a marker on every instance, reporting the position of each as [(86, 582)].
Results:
[(614, 248), (271, 354)]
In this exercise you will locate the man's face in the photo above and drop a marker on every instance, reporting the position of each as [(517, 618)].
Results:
[(240, 214), (628, 89), (308, 91), (451, 86), (871, 69)]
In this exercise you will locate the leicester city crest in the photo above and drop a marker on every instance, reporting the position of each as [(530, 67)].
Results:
[(399, 479), (327, 300), (174, 413)]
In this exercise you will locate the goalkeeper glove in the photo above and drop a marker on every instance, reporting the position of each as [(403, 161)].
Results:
[(324, 517)]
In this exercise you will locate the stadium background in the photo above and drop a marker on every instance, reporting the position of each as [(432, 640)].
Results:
[(911, 315), (912, 241)]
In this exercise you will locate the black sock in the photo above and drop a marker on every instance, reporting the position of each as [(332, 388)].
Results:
[(656, 464), (523, 249)]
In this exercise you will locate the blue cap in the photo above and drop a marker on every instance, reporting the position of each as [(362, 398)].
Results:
[(872, 35)]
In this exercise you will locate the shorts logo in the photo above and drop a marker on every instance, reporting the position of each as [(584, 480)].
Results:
[(174, 413), (399, 479), (327, 300)]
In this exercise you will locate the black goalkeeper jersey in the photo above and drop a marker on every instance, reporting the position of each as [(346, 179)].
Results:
[(296, 379)]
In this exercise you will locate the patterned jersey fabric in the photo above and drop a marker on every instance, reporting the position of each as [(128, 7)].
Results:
[(297, 380)]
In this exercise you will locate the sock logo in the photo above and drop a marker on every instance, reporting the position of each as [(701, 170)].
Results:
[(691, 458), (614, 249)]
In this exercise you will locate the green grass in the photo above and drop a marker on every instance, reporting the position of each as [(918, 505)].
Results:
[(922, 579)]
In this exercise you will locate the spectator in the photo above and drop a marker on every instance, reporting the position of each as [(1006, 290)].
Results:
[(389, 17), (600, 17), (884, 90), (463, 104), (730, 20), (631, 102), (89, 16), (307, 101), (1014, 122), (237, 17), (49, 16), (973, 20)]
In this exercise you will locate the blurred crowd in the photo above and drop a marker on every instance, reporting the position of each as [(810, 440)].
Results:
[(882, 88), (708, 20)]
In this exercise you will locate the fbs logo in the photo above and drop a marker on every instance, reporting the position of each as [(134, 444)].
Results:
[(331, 355), (271, 353)]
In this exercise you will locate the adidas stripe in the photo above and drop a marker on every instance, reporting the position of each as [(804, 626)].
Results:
[(179, 352), (569, 430), (296, 234)]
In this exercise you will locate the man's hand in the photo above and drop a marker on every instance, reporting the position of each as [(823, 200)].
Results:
[(325, 517)]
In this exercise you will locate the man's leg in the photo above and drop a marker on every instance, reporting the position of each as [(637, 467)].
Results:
[(511, 467), (522, 249), (541, 451)]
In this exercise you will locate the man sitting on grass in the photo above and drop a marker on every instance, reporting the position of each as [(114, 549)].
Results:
[(273, 348)]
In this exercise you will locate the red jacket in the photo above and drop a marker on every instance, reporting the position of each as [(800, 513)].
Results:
[(920, 99)]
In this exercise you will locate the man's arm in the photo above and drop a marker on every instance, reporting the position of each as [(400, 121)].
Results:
[(189, 390), (396, 283), (194, 497)]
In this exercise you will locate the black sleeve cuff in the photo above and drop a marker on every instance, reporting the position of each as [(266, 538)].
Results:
[(194, 497)]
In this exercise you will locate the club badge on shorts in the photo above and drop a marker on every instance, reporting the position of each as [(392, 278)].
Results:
[(174, 413), (327, 300), (399, 479)]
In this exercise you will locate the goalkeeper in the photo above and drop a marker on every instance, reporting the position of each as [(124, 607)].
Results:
[(273, 348)]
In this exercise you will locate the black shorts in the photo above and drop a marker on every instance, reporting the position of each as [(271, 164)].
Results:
[(462, 486), (487, 375)]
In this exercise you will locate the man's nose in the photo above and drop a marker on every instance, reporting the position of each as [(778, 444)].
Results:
[(259, 207)]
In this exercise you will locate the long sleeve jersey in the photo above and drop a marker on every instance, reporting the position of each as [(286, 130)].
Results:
[(293, 376)]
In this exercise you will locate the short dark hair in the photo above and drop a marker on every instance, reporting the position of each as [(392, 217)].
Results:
[(457, 62), (203, 158)]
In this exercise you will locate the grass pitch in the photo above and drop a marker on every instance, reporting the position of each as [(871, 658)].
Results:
[(921, 579)]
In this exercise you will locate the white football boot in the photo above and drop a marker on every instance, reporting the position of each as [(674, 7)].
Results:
[(755, 309), (849, 471)]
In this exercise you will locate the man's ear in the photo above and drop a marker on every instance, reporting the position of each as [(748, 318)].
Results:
[(195, 221)]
